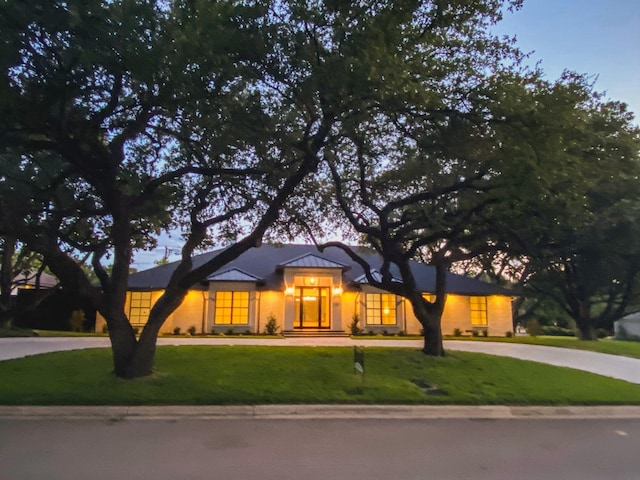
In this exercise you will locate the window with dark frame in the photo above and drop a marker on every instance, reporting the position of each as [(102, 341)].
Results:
[(139, 307), (381, 309), (478, 307), (231, 308)]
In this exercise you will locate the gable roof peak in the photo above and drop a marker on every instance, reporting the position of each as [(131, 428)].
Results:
[(233, 274), (311, 260)]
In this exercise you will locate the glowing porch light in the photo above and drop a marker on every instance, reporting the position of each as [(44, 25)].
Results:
[(337, 290), (312, 280), (289, 291)]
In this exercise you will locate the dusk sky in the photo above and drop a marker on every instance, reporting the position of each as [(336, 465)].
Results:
[(594, 37)]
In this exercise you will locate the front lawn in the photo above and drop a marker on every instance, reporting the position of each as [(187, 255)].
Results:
[(204, 375)]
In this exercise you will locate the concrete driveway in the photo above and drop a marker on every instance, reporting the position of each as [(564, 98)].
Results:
[(614, 366)]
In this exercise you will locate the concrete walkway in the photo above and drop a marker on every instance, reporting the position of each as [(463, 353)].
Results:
[(614, 366)]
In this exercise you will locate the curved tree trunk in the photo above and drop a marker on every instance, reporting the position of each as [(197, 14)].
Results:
[(433, 339)]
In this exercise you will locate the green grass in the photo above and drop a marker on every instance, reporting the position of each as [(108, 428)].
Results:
[(17, 332), (197, 375), (66, 333)]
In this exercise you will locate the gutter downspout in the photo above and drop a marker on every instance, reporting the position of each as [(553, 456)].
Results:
[(258, 298), (204, 309)]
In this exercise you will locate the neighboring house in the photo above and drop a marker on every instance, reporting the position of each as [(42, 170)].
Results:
[(309, 292), (627, 328), (31, 280)]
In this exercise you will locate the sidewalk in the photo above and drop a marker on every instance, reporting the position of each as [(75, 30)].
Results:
[(309, 412), (614, 366)]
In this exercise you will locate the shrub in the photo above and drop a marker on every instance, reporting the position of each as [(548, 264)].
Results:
[(534, 328), (105, 329), (371, 333), (508, 334), (557, 331), (457, 332), (475, 333), (354, 327), (176, 331), (485, 333), (76, 321), (191, 330), (603, 333), (271, 327), (229, 331)]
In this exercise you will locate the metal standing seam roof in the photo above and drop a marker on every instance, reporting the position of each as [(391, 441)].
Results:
[(265, 264), (310, 260), (233, 275), (377, 276)]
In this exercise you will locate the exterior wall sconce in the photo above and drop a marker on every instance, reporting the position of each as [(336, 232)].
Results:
[(312, 280), (289, 291), (337, 290)]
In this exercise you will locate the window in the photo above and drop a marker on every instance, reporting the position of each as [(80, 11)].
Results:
[(429, 297), (381, 309), (139, 307), (232, 308), (478, 306)]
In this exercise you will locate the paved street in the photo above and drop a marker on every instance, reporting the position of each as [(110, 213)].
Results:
[(614, 366), (319, 449)]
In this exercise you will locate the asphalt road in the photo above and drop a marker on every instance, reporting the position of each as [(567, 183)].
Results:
[(262, 449)]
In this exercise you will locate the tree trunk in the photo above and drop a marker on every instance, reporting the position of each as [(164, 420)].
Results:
[(143, 358), (584, 322), (123, 342), (430, 317), (587, 334), (432, 339)]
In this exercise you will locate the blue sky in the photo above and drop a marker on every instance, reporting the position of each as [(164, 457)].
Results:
[(596, 37)]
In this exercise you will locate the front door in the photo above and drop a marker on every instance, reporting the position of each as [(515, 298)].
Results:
[(312, 308)]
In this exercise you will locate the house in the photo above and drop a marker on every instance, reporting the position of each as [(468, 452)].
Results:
[(628, 327), (311, 292), (32, 279)]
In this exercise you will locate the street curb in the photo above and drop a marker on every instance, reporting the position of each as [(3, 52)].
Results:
[(308, 412)]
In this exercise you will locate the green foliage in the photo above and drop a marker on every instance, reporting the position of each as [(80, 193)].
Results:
[(354, 326), (191, 330), (457, 332), (271, 326), (76, 322), (534, 328), (176, 330), (557, 331)]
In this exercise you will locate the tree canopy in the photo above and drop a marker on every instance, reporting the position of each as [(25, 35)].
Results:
[(227, 120)]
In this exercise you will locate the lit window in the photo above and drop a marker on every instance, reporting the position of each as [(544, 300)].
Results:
[(478, 307), (429, 297), (139, 307), (232, 308), (381, 309)]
